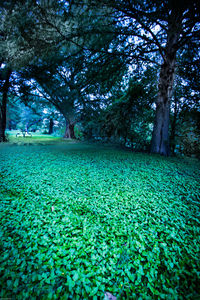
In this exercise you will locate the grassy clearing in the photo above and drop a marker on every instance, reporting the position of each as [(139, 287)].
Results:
[(35, 139), (77, 221)]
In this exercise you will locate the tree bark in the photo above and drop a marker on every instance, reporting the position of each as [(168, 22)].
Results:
[(160, 137), (69, 131), (3, 106)]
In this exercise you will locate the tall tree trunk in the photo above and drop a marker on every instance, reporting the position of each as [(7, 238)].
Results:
[(69, 131), (51, 126), (3, 105), (160, 136)]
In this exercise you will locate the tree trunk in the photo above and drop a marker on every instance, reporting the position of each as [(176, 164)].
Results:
[(51, 126), (69, 131), (3, 105), (160, 136)]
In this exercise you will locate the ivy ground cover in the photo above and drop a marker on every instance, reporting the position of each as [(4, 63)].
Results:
[(77, 221)]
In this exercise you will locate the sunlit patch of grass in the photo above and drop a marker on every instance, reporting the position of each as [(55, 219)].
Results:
[(43, 139)]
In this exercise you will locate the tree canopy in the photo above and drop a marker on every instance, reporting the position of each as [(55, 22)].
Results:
[(81, 56)]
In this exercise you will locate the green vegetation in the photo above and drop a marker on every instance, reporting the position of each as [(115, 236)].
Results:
[(117, 70), (34, 139), (78, 221)]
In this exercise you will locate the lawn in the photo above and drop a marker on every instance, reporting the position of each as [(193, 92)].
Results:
[(35, 138), (81, 220)]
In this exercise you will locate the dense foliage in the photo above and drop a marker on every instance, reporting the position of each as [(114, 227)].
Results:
[(128, 116), (78, 221)]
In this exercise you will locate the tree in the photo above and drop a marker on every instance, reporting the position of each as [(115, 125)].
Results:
[(146, 29), (35, 33), (27, 38), (131, 32), (69, 82), (14, 50), (50, 126), (56, 85), (4, 87)]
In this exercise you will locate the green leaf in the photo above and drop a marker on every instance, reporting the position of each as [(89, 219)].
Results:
[(16, 282), (94, 291), (70, 283), (75, 277)]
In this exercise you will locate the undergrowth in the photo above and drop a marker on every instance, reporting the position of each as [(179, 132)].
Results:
[(78, 221)]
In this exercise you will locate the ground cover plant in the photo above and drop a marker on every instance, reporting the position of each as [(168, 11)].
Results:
[(80, 220)]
